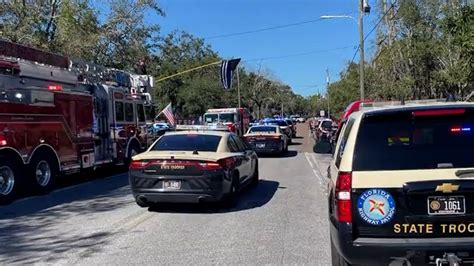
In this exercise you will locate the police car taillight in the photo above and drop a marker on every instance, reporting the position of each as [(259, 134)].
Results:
[(343, 197), (138, 165)]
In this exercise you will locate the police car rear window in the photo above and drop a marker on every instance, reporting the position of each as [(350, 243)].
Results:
[(262, 129), (188, 142), (405, 141)]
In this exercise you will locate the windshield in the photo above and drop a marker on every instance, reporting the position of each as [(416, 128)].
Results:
[(222, 118), (190, 142), (226, 118), (400, 141), (211, 118), (263, 129)]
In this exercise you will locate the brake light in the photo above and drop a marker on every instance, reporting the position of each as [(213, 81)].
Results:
[(55, 88), (343, 197), (210, 166), (3, 141), (138, 165), (227, 163), (439, 112)]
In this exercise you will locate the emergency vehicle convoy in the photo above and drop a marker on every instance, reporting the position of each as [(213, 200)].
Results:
[(237, 119), (59, 116)]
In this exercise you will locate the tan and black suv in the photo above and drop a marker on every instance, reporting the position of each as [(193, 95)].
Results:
[(402, 186)]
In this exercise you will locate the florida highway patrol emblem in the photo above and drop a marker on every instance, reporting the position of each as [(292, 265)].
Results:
[(376, 206)]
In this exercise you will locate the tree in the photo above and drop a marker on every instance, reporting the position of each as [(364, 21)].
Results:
[(125, 37)]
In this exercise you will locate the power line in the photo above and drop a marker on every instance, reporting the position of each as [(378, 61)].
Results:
[(265, 29), (262, 29), (295, 55)]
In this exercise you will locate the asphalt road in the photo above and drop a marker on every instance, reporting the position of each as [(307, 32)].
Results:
[(282, 221)]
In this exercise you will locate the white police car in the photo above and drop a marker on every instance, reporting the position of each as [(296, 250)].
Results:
[(402, 185)]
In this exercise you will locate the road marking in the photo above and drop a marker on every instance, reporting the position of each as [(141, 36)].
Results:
[(312, 166), (309, 161), (317, 172)]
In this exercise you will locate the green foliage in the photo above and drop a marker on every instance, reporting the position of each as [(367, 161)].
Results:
[(425, 49)]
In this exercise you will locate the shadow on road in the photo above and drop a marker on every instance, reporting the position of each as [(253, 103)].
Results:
[(287, 154), (96, 196), (249, 198), (29, 230)]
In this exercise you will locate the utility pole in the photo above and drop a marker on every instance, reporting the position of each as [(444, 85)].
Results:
[(238, 87), (327, 92), (361, 48)]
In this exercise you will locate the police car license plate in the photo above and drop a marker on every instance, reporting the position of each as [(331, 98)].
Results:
[(442, 205), (172, 184), (260, 145)]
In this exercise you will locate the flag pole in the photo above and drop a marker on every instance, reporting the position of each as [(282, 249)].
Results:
[(238, 87)]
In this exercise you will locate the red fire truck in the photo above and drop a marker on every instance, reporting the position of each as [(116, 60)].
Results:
[(59, 117), (237, 119)]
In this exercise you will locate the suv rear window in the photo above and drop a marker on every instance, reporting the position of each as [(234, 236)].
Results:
[(326, 124), (403, 141), (188, 142)]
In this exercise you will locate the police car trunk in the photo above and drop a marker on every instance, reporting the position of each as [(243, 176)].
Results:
[(412, 178)]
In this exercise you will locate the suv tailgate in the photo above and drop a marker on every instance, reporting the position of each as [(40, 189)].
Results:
[(405, 180)]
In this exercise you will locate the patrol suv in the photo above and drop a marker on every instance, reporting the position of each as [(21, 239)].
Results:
[(402, 185)]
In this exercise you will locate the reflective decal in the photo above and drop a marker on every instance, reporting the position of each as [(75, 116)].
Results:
[(376, 206)]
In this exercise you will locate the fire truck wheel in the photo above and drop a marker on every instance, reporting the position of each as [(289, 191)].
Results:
[(9, 179), (43, 172)]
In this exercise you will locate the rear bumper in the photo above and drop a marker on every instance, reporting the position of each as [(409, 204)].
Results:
[(380, 251), (270, 147), (208, 188), (167, 197)]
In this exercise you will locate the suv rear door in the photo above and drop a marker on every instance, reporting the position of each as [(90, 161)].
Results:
[(409, 176)]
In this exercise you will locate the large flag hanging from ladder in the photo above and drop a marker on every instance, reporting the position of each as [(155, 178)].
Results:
[(168, 112), (227, 72)]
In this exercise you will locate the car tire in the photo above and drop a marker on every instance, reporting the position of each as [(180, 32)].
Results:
[(42, 172), (255, 177), (230, 198), (10, 182), (336, 258)]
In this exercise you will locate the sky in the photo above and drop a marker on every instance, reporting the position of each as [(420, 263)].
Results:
[(325, 44)]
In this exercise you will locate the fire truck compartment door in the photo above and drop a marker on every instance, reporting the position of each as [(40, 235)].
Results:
[(88, 160)]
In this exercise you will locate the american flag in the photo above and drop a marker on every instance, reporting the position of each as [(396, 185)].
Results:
[(227, 71), (168, 112)]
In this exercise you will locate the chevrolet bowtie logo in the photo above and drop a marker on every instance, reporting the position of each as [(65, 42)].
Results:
[(447, 188)]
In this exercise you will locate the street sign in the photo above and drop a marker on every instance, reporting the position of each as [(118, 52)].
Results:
[(322, 113)]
